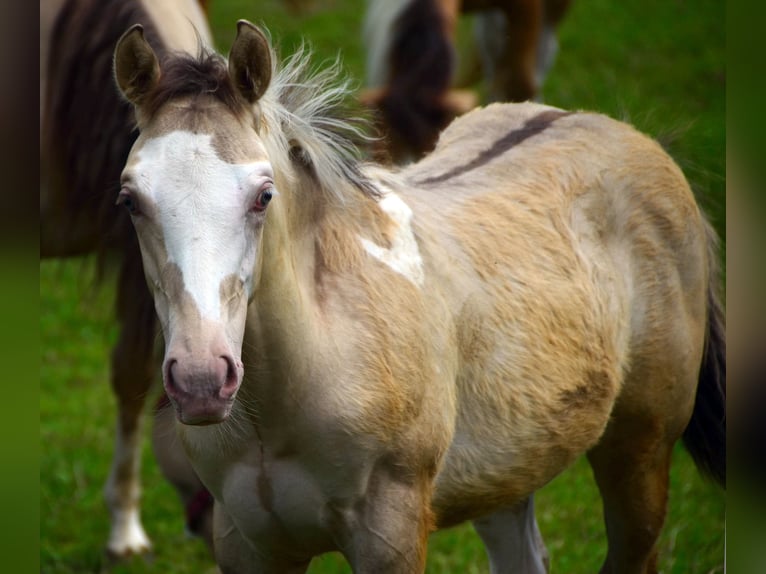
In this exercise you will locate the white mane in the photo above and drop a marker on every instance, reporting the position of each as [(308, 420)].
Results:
[(302, 112)]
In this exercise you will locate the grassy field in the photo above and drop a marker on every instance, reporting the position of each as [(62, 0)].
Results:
[(656, 63)]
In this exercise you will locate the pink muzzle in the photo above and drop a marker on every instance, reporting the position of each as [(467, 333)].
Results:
[(201, 388)]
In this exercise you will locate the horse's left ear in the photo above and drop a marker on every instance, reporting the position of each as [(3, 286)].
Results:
[(250, 61)]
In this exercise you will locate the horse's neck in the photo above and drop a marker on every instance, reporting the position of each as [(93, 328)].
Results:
[(304, 238), (281, 316)]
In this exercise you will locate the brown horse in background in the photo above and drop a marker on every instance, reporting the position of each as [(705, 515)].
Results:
[(87, 130), (411, 62)]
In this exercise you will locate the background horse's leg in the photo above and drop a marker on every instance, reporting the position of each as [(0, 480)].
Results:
[(133, 371), (631, 469), (548, 44), (513, 540), (511, 50), (178, 471)]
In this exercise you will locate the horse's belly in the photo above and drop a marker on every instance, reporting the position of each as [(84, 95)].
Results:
[(542, 349), (509, 444), (478, 479)]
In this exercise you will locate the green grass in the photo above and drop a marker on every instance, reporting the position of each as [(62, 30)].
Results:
[(656, 63)]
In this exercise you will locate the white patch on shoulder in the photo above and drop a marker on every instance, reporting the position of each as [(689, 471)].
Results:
[(404, 254)]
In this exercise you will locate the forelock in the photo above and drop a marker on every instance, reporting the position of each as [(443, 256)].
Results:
[(186, 76)]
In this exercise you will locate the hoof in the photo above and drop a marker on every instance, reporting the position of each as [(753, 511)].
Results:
[(127, 537), (116, 556), (128, 548)]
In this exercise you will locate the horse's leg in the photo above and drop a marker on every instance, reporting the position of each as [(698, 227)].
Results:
[(631, 465), (548, 44), (133, 371), (389, 531), (513, 540), (235, 556), (178, 471), (515, 61), (631, 461)]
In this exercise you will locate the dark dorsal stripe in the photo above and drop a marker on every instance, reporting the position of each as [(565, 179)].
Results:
[(533, 126)]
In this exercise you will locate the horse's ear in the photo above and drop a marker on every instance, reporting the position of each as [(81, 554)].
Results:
[(250, 61), (136, 67)]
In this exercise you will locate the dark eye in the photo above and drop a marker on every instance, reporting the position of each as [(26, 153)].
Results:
[(126, 200), (263, 199)]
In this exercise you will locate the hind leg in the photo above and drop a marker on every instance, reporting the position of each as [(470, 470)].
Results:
[(133, 371), (631, 468), (513, 540)]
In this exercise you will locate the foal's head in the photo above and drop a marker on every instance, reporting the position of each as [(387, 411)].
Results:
[(197, 185)]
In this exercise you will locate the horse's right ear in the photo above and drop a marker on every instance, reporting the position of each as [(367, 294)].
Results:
[(136, 67)]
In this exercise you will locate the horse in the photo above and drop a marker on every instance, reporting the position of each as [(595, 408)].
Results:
[(86, 132), (411, 63), (358, 355)]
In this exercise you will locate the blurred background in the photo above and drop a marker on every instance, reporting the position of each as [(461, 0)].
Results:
[(658, 64)]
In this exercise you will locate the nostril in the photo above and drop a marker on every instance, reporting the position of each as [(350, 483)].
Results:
[(231, 378), (170, 380)]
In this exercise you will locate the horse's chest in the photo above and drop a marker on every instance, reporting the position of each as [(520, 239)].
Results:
[(268, 496), (263, 500)]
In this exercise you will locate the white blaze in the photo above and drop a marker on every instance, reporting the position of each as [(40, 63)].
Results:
[(404, 255), (202, 204)]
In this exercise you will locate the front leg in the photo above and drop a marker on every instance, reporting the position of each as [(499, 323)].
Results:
[(387, 532), (234, 555)]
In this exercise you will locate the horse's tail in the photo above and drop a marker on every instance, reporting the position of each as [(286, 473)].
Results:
[(705, 436)]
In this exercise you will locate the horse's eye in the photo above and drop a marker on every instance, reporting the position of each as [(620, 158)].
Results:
[(126, 200), (263, 199)]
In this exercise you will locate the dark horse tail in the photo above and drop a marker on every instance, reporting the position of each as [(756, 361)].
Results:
[(705, 436)]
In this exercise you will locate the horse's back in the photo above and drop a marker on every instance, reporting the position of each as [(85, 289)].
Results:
[(565, 189), (577, 257)]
